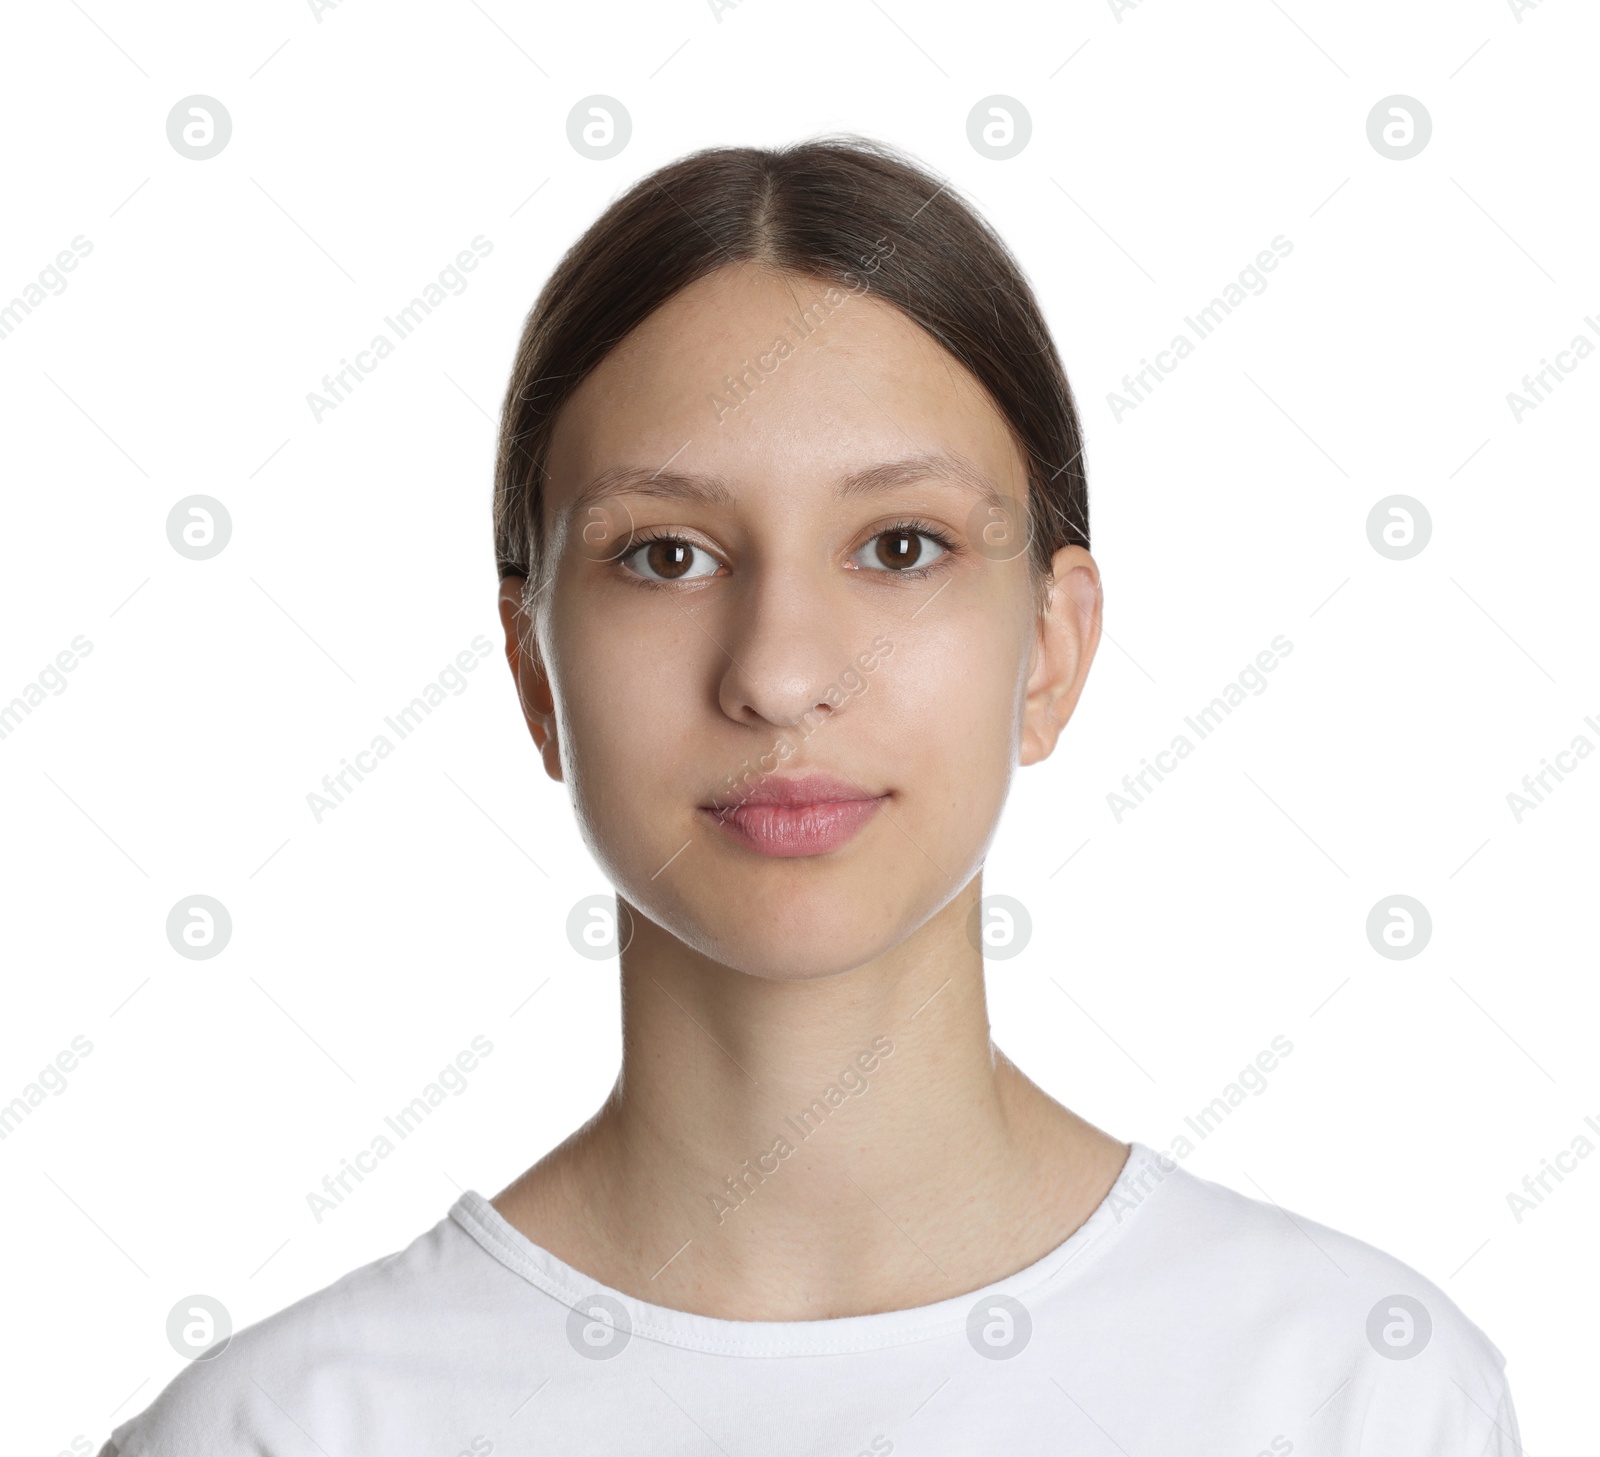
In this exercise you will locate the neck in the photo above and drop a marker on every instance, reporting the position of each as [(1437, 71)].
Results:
[(798, 1149)]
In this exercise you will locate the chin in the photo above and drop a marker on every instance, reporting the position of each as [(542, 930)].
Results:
[(755, 947), (789, 926)]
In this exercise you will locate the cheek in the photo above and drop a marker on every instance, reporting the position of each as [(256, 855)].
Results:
[(949, 711), (953, 694), (628, 702), (617, 670)]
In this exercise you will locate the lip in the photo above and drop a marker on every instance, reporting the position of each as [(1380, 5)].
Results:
[(809, 814)]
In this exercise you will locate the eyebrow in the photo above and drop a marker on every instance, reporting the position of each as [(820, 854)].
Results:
[(710, 490)]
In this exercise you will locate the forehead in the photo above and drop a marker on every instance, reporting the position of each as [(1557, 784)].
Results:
[(776, 381)]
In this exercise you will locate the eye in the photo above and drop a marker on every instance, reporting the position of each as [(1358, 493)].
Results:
[(902, 548), (668, 559)]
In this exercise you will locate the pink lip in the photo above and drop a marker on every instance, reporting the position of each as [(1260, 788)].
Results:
[(808, 815)]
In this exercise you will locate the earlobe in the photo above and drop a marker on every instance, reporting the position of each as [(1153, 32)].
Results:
[(1068, 632), (528, 672)]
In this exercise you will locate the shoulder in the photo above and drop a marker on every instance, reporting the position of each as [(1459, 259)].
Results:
[(290, 1368), (1406, 1369)]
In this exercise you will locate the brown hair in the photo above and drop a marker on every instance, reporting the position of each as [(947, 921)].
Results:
[(818, 209)]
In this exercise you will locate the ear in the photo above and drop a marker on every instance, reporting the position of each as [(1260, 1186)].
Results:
[(528, 672), (1068, 632)]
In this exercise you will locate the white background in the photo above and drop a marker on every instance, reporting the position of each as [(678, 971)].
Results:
[(1170, 144)]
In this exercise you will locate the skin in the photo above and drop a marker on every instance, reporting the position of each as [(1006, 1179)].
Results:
[(750, 983)]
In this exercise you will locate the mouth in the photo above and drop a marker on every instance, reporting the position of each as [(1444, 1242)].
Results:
[(787, 818)]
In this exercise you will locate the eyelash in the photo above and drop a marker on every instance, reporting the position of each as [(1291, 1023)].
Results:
[(912, 526), (915, 527), (638, 542)]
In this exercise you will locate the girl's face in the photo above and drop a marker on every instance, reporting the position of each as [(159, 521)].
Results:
[(803, 577)]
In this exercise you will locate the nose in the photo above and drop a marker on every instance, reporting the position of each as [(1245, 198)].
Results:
[(789, 650)]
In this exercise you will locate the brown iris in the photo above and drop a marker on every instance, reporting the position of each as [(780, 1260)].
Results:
[(670, 559), (899, 549)]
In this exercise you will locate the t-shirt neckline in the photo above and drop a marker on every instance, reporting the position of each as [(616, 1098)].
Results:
[(836, 1335)]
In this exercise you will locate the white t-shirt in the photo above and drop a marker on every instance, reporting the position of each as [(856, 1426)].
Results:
[(1180, 1318)]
